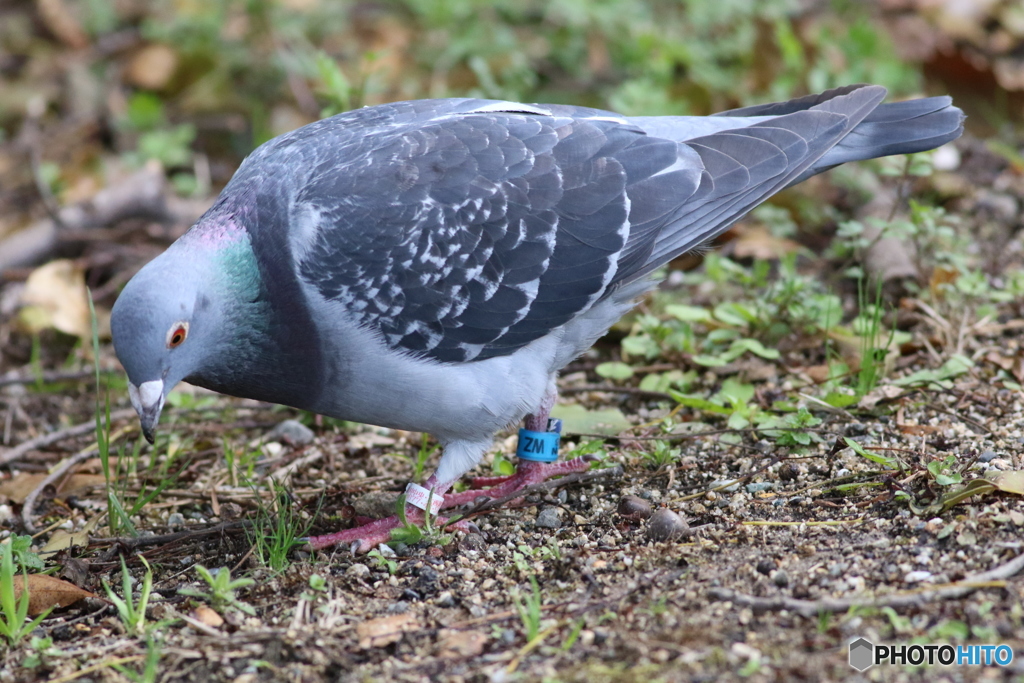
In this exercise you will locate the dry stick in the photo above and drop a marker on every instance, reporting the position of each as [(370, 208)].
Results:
[(812, 608), (51, 376), (21, 449), (60, 471), (143, 541)]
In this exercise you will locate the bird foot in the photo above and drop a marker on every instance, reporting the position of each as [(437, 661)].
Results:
[(528, 472), (365, 538)]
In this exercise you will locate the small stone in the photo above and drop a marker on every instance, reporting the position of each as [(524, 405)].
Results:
[(358, 571), (549, 518), (789, 472), (856, 429), (376, 504), (428, 576), (473, 541), (837, 570), (292, 432), (666, 525), (176, 519), (206, 615), (765, 567), (780, 578), (918, 576), (946, 158), (445, 599), (759, 486), (988, 456), (634, 507)]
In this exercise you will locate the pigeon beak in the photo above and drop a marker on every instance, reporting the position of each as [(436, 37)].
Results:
[(148, 401)]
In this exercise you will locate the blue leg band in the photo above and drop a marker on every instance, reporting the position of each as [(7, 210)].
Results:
[(540, 446)]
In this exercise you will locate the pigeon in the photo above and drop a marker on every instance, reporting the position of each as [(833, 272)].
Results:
[(431, 265)]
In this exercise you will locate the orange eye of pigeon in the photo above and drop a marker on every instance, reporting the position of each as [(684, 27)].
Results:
[(176, 335)]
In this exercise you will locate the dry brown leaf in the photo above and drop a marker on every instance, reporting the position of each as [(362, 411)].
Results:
[(886, 391), (62, 23), (17, 488), (942, 276), (817, 373), (55, 296), (455, 644), (62, 539), (152, 67), (758, 243), (386, 630), (45, 592), (207, 616)]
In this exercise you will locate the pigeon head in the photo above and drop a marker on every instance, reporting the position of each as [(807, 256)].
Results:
[(173, 320)]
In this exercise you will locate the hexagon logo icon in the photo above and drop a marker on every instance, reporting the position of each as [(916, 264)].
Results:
[(862, 654)]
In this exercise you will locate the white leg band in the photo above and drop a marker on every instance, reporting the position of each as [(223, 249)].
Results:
[(417, 495)]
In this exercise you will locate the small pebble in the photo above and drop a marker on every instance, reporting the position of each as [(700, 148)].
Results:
[(780, 578), (946, 158), (291, 432), (634, 507), (358, 571), (789, 472), (666, 525), (988, 456), (759, 486), (428, 576), (473, 541), (856, 429), (917, 576), (176, 519), (445, 599), (549, 518), (765, 567)]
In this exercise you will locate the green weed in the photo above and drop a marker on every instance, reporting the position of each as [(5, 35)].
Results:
[(14, 608), (276, 531), (132, 613), (221, 594), (529, 608)]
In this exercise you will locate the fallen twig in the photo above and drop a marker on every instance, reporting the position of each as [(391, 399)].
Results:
[(993, 578), (12, 454), (141, 195), (143, 541), (30, 500), (51, 376)]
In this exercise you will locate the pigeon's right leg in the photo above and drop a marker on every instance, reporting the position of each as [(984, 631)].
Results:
[(528, 472)]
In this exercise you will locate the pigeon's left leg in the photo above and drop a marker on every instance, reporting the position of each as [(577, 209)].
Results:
[(459, 456), (368, 536), (528, 472)]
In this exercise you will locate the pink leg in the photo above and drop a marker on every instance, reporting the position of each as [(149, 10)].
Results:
[(368, 536), (374, 533), (528, 472)]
